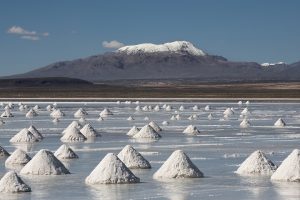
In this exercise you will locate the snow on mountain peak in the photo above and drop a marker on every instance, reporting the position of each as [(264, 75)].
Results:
[(175, 47)]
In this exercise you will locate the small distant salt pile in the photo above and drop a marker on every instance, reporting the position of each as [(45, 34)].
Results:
[(193, 117), (168, 108), (181, 108), (130, 118), (12, 183), (155, 126), (44, 163), (245, 111), (228, 112), (137, 102), (210, 116), (256, 164), (80, 113), (147, 132), (49, 108), (31, 113), (36, 108), (6, 114), (150, 108), (111, 170), (17, 158), (118, 102), (240, 103), (178, 165), (100, 119), (289, 170), (89, 131), (138, 108), (3, 152), (164, 106), (178, 117), (22, 108), (134, 130), (191, 130), (73, 124), (57, 113), (165, 123), (173, 118), (24, 136), (72, 134), (195, 108), (55, 105), (1, 122), (82, 121), (105, 113), (207, 108), (245, 123), (146, 118), (157, 108), (55, 120), (133, 159), (65, 152), (35, 132), (145, 108), (279, 123)]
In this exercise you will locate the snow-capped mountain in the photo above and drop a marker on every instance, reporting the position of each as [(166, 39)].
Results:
[(182, 47)]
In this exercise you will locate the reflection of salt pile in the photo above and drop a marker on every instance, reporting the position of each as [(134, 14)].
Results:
[(191, 130), (3, 152), (245, 123), (72, 134), (80, 113), (147, 132), (155, 126), (105, 113), (18, 157), (178, 165), (257, 164), (31, 113), (133, 159), (24, 136), (57, 113), (111, 170), (65, 152), (35, 132), (12, 183), (289, 170), (134, 130), (88, 131), (44, 163), (279, 123)]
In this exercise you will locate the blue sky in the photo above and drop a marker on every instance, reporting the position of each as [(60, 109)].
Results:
[(35, 33)]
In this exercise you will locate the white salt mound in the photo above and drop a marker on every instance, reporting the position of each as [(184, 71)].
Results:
[(138, 108), (18, 157), (80, 113), (177, 117), (73, 124), (279, 123), (289, 170), (105, 113), (130, 118), (207, 108), (36, 107), (3, 152), (1, 122), (72, 135), (155, 126), (111, 170), (181, 108), (168, 108), (247, 102), (245, 111), (147, 132), (55, 120), (146, 118), (191, 130), (65, 152), (88, 131), (157, 108), (35, 132), (57, 113), (6, 114), (195, 108), (44, 163), (100, 119), (165, 123), (134, 130), (257, 164), (178, 165), (12, 183), (133, 159), (210, 116), (245, 123), (24, 136), (228, 112), (31, 113), (240, 103), (49, 108), (173, 117)]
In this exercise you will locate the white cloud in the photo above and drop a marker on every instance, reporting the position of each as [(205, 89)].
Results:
[(114, 44), (20, 31), (30, 37)]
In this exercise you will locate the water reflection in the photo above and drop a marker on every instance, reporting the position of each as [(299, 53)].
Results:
[(287, 190)]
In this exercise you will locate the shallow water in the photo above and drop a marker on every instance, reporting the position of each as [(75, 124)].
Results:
[(217, 151)]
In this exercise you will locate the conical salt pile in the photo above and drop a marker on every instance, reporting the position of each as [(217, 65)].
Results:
[(228, 112), (72, 135), (240, 103), (57, 113), (181, 108), (6, 114), (88, 131), (173, 118), (147, 132), (24, 136), (130, 118), (195, 108), (168, 108), (35, 132), (22, 108), (73, 124), (245, 123), (247, 102), (55, 120), (12, 183), (2, 122), (178, 117), (100, 119), (279, 123), (133, 159), (146, 118), (111, 170), (157, 108), (44, 163), (191, 130), (138, 108), (134, 130), (155, 126), (82, 120), (65, 152), (207, 108), (49, 108), (178, 165), (36, 107), (18, 157), (145, 108), (210, 116), (80, 113), (289, 170), (3, 152), (165, 123), (106, 112), (257, 164), (31, 113)]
